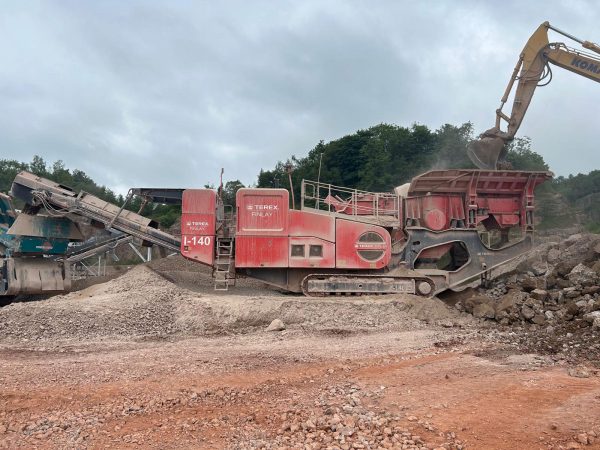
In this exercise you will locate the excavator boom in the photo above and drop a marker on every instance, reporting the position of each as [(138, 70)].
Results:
[(532, 70)]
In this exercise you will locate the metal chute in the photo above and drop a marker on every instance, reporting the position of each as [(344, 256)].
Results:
[(34, 276)]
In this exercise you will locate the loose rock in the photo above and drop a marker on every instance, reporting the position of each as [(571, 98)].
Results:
[(276, 325)]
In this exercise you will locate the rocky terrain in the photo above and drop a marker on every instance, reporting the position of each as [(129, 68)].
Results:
[(344, 418), (548, 299), (156, 359)]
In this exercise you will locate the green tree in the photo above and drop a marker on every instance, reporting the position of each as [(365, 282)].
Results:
[(9, 168), (229, 191), (60, 173), (520, 155), (38, 166), (378, 155), (451, 146), (378, 158)]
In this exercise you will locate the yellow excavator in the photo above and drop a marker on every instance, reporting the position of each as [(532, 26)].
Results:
[(532, 70)]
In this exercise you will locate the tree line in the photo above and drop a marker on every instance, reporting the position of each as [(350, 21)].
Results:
[(78, 180), (374, 159), (385, 156)]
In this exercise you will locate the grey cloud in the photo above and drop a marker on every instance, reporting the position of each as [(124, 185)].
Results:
[(166, 93)]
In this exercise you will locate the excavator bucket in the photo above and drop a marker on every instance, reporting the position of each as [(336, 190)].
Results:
[(486, 152)]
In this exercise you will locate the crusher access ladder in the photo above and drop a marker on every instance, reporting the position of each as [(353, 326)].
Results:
[(224, 263), (224, 267)]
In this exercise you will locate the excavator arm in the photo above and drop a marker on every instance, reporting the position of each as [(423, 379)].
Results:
[(532, 70)]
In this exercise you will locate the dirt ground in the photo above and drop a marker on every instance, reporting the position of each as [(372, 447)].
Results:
[(144, 361)]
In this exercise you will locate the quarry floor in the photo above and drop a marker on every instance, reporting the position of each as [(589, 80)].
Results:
[(438, 376), (178, 395)]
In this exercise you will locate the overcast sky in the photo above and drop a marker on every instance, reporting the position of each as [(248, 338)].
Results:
[(148, 93)]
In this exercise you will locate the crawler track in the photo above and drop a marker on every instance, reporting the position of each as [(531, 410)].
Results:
[(320, 285)]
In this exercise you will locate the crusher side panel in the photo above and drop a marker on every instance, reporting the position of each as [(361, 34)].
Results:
[(262, 228), (312, 240), (310, 224), (198, 225), (361, 246)]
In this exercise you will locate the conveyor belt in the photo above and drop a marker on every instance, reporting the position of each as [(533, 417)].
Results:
[(60, 200)]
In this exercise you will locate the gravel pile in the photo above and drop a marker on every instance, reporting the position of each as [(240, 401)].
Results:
[(138, 303), (141, 304), (344, 418), (177, 263), (198, 278)]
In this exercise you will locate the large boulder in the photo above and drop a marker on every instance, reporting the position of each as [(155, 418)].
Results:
[(564, 267), (592, 317), (553, 255), (591, 290), (518, 296), (573, 239), (551, 281), (484, 311), (527, 312), (476, 300), (596, 267), (539, 294), (562, 284), (530, 283), (533, 261), (540, 268), (507, 303), (539, 319), (276, 325), (571, 292), (571, 311), (583, 275), (582, 248)]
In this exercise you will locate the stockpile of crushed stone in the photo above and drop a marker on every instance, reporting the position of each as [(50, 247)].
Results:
[(138, 303), (141, 304), (198, 278), (177, 263)]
